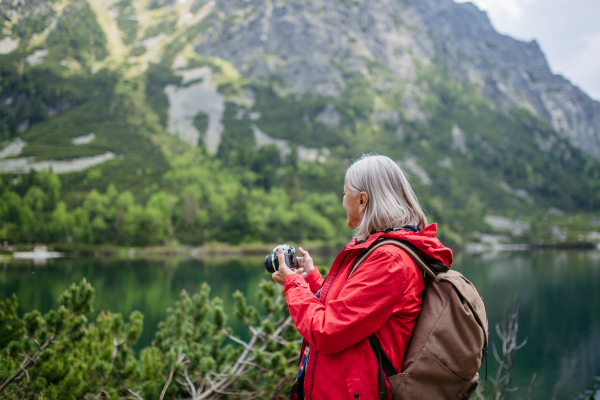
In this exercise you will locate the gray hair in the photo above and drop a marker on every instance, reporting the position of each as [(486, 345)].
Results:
[(392, 202)]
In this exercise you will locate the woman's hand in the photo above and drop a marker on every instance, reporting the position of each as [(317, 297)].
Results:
[(305, 264), (280, 275)]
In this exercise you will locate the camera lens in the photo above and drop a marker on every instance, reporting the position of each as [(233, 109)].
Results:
[(271, 263)]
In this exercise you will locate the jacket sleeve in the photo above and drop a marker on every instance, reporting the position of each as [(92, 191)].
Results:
[(314, 280), (365, 302)]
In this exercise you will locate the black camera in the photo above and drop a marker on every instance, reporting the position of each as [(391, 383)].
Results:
[(289, 252)]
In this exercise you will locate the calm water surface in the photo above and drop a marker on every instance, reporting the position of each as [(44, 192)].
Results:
[(558, 293)]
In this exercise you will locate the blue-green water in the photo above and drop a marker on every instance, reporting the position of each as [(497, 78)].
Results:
[(558, 293)]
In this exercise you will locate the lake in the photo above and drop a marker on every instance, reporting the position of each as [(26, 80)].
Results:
[(558, 293)]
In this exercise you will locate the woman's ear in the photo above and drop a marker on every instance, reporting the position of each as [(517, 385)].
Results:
[(364, 199)]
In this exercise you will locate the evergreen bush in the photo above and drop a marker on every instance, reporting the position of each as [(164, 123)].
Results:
[(61, 355)]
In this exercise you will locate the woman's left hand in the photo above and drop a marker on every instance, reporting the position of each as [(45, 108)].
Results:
[(284, 270)]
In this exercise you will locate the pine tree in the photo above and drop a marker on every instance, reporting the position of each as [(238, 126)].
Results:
[(195, 354)]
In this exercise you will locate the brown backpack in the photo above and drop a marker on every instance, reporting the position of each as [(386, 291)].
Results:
[(449, 340)]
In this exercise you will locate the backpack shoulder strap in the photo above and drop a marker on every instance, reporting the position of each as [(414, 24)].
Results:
[(386, 368), (407, 247)]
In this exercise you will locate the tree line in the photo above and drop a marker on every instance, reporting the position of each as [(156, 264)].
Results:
[(32, 209)]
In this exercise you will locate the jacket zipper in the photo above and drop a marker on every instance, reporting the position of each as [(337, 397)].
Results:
[(314, 359)]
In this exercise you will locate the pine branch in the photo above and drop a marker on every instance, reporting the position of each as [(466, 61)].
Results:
[(244, 364), (27, 362), (531, 386), (116, 345), (136, 394), (190, 384), (162, 394)]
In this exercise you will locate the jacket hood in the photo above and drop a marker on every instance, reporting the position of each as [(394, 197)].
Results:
[(424, 240)]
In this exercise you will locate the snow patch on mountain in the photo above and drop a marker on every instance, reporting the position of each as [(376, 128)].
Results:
[(37, 57), (7, 45), (186, 101), (13, 149), (304, 153), (329, 116), (85, 139), (446, 162), (23, 165), (458, 140), (411, 165), (515, 227)]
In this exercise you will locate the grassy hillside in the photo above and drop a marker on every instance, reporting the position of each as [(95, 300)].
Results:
[(481, 174)]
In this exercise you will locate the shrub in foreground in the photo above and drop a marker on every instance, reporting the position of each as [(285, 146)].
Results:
[(60, 355)]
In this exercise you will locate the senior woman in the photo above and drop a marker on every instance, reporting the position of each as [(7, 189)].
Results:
[(336, 315)]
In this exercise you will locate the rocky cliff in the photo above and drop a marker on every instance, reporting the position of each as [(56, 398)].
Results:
[(316, 45), (509, 72)]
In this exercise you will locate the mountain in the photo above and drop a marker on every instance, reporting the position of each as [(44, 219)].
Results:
[(235, 120), (312, 46), (509, 72)]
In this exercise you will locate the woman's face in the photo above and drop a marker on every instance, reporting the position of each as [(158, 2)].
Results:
[(354, 205)]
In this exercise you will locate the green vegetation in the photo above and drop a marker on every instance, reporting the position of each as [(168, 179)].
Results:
[(158, 76), (512, 165), (211, 205), (161, 27), (127, 20), (201, 122), (78, 36), (245, 194), (518, 149), (34, 93), (60, 355), (163, 190), (467, 162)]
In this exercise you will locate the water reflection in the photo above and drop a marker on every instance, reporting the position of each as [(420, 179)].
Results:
[(558, 292), (127, 285)]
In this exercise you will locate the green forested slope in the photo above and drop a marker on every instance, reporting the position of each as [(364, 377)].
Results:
[(475, 169)]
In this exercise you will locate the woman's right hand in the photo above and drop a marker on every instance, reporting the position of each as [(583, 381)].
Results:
[(305, 263)]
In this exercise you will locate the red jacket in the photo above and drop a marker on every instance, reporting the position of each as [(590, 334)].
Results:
[(383, 296)]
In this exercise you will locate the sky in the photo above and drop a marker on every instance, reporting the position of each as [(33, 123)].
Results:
[(568, 32)]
